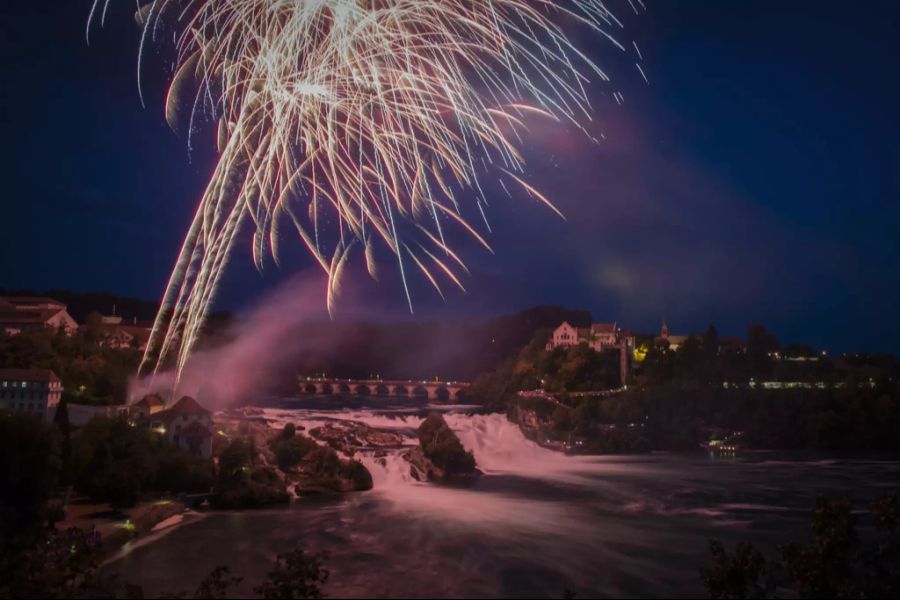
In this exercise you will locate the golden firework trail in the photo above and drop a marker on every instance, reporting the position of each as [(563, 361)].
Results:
[(350, 120)]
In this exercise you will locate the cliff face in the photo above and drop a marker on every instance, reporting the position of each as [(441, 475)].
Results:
[(534, 428), (527, 420)]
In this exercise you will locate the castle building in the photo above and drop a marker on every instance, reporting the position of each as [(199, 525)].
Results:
[(598, 336)]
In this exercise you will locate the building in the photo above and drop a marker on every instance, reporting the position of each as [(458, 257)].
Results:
[(186, 424), (121, 336), (20, 314), (146, 406), (598, 336), (36, 391), (674, 341)]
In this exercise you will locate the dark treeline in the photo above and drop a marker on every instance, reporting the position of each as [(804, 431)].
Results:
[(706, 359), (790, 398)]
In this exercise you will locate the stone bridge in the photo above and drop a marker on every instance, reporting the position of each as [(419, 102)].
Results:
[(441, 391)]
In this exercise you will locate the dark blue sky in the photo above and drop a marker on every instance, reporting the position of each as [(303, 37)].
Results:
[(757, 177)]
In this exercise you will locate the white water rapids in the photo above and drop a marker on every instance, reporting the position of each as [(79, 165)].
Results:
[(535, 524), (500, 450)]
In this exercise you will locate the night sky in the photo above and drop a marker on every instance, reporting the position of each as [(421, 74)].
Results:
[(756, 178)]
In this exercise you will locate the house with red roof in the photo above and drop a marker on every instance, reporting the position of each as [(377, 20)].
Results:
[(186, 424)]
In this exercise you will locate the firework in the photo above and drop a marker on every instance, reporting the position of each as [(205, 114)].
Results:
[(358, 122)]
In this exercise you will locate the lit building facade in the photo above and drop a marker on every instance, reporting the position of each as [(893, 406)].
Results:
[(34, 391), (598, 336)]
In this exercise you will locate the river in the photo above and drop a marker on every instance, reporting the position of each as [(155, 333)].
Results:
[(536, 524)]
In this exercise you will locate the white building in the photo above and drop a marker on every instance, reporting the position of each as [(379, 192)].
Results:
[(26, 313), (35, 391)]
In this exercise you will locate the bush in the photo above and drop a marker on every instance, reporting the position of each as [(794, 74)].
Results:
[(236, 458), (178, 471), (296, 575), (837, 563)]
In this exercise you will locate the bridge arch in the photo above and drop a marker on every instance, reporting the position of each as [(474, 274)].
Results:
[(419, 391), (310, 388), (362, 390), (441, 394), (400, 390), (343, 388), (382, 390)]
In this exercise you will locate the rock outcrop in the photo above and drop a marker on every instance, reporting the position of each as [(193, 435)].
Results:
[(440, 456)]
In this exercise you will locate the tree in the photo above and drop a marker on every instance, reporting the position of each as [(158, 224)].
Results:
[(30, 466), (296, 575), (760, 344), (236, 457), (112, 461), (835, 564), (711, 342)]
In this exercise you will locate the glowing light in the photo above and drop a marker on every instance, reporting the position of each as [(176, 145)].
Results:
[(351, 120)]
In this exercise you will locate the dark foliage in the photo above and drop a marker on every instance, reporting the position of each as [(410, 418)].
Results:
[(30, 467), (115, 462), (290, 451), (90, 374), (296, 575), (65, 564), (241, 483), (839, 562)]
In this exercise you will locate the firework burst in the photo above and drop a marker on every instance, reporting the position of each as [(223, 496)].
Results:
[(354, 122)]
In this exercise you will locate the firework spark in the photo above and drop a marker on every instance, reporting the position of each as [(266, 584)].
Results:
[(350, 120)]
